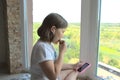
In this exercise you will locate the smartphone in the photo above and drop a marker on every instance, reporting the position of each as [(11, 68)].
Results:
[(82, 68)]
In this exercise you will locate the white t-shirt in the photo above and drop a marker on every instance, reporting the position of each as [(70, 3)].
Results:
[(42, 51)]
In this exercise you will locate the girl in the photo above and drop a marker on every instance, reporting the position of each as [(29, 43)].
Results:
[(45, 64)]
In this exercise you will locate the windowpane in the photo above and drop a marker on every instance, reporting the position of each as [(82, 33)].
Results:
[(109, 41), (71, 11)]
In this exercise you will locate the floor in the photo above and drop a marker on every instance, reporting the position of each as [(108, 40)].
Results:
[(21, 76), (5, 76)]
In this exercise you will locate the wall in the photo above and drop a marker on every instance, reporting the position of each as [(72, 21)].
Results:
[(4, 52), (14, 33), (20, 27)]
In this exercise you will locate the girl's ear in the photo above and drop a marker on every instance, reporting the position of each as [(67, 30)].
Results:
[(53, 29)]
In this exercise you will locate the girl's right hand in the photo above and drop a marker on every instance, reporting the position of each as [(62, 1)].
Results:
[(62, 47), (77, 65)]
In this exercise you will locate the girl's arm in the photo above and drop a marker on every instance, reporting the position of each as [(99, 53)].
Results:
[(52, 69), (68, 66), (71, 66)]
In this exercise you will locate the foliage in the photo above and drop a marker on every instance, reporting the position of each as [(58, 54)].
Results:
[(109, 50), (113, 62), (35, 36)]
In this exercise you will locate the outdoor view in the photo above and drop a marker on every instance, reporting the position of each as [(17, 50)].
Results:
[(109, 37), (109, 41)]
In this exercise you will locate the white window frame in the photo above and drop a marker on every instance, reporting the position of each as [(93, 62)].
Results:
[(89, 33), (26, 32)]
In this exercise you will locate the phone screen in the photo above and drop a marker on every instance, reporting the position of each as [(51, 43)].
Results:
[(83, 67)]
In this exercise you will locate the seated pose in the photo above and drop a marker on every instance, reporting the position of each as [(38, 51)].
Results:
[(45, 63)]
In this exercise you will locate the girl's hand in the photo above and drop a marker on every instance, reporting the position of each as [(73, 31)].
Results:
[(77, 65), (62, 47)]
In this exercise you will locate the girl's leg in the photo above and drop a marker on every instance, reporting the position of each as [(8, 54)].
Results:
[(64, 73), (69, 75), (72, 75)]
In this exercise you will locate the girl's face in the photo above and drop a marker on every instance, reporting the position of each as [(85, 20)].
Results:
[(58, 34)]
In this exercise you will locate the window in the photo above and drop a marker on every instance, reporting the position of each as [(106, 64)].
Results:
[(71, 11), (90, 31), (109, 41), (90, 42)]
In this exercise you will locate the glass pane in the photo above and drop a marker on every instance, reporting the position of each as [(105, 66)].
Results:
[(109, 41), (71, 11)]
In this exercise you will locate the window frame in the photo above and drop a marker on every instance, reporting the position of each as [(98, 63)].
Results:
[(26, 24), (90, 21)]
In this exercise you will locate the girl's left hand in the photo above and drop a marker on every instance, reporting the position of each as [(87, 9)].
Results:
[(62, 46)]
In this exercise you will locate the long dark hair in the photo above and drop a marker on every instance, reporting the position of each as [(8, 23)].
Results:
[(53, 19)]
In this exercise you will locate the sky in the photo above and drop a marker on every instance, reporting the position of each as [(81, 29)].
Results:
[(71, 10), (110, 11)]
